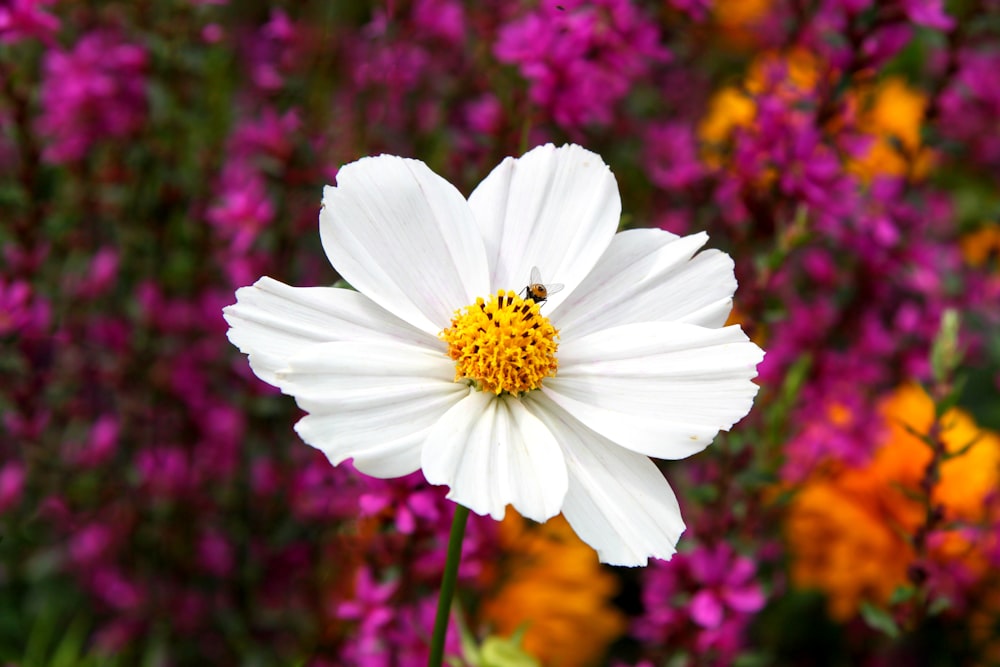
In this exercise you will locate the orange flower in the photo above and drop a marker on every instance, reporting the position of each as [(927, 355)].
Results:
[(552, 583), (982, 245), (848, 528), (792, 74), (737, 19), (891, 115)]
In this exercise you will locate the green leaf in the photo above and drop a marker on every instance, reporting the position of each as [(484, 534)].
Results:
[(879, 619), (902, 594), (507, 652), (70, 651), (945, 352), (938, 605)]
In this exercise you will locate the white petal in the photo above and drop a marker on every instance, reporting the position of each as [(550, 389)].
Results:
[(492, 452), (663, 389), (648, 275), (554, 208), (618, 501), (272, 322), (374, 402), (406, 238)]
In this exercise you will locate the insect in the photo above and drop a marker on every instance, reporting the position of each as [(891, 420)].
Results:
[(536, 290)]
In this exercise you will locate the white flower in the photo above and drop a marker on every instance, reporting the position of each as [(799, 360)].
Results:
[(641, 365)]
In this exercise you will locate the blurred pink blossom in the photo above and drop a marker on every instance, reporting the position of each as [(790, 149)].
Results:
[(671, 156), (440, 18), (100, 444), (215, 554), (164, 471), (484, 114), (213, 33), (712, 587), (371, 604), (243, 208), (407, 500), (581, 58), (25, 19), (21, 311), (101, 274), (928, 13), (12, 478), (116, 590), (93, 92), (89, 545)]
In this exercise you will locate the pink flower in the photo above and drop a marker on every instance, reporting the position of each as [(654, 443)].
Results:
[(114, 589), (101, 275), (269, 134), (706, 596), (24, 19), (95, 91), (727, 586), (164, 471), (243, 208), (928, 13), (440, 18), (90, 544), (371, 605), (21, 312), (215, 554), (100, 444), (271, 53), (484, 114), (671, 156), (212, 33), (408, 499), (581, 58), (12, 476)]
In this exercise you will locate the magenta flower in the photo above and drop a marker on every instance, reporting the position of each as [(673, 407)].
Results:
[(671, 156), (371, 605), (408, 499), (100, 445), (928, 13), (243, 208), (24, 19), (701, 601), (581, 58), (440, 18), (95, 91), (215, 553), (21, 311), (728, 586), (12, 477)]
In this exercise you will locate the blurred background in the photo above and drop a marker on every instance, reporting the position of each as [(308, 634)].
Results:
[(156, 507)]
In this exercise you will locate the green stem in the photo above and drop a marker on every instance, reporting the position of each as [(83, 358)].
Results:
[(436, 657)]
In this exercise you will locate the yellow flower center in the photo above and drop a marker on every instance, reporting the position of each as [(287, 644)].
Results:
[(503, 344)]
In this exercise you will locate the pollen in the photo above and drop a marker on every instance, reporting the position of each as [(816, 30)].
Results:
[(502, 344)]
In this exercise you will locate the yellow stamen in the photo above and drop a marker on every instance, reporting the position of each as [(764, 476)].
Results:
[(502, 345)]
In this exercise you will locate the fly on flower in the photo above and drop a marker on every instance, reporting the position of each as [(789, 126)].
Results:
[(443, 362), (538, 291)]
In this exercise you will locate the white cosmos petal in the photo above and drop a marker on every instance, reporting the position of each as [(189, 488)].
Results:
[(272, 322), (663, 389), (404, 237), (648, 275), (492, 452), (371, 401), (618, 501), (554, 208)]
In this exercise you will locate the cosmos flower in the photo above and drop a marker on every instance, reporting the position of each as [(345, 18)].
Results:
[(443, 361)]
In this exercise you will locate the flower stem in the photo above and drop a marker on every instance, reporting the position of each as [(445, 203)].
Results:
[(435, 659)]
